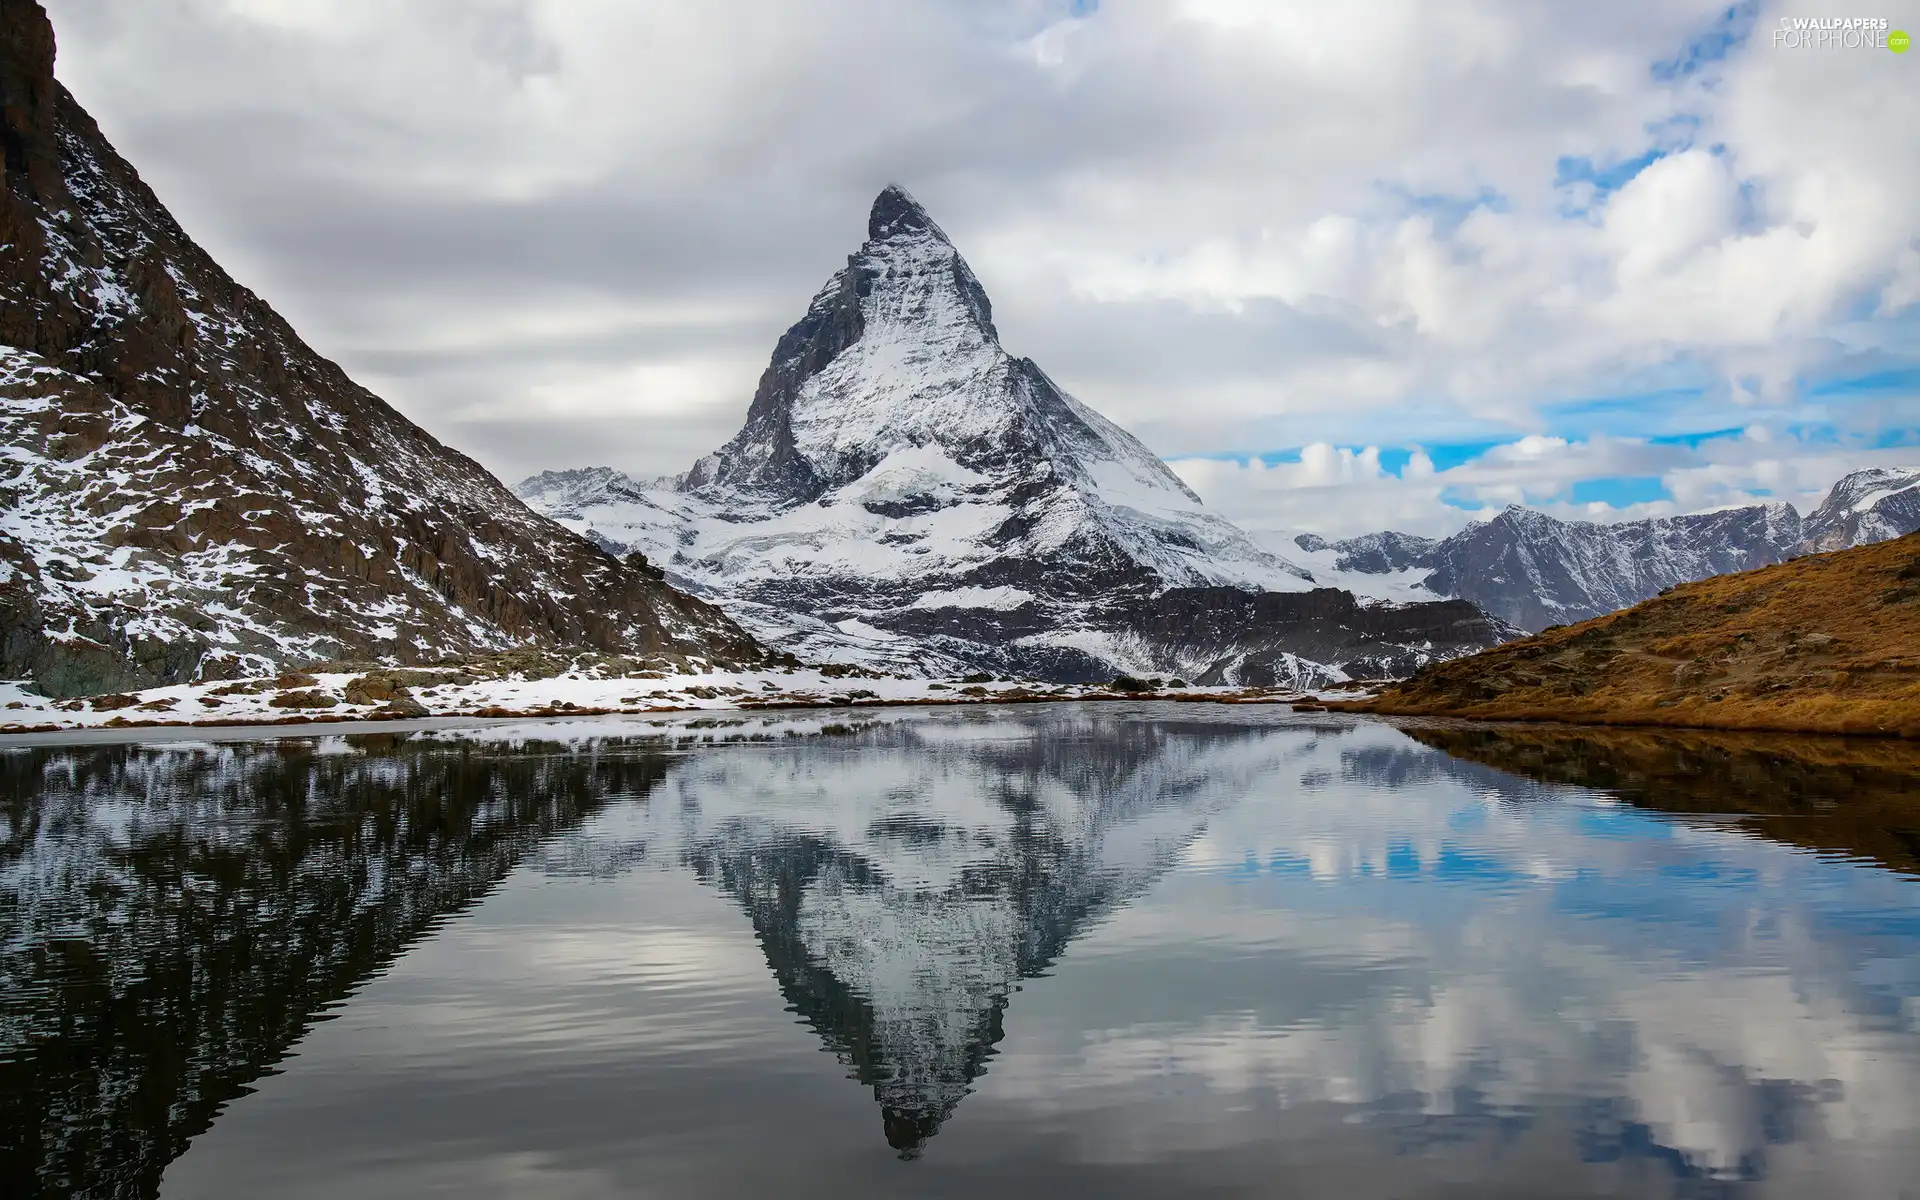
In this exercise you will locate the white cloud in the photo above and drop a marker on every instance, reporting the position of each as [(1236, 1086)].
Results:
[(1340, 492), (1232, 226)]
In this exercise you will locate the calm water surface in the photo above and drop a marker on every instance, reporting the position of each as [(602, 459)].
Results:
[(1101, 950)]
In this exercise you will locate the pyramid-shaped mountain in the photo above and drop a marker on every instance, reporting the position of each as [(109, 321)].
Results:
[(901, 896), (190, 491), (906, 493)]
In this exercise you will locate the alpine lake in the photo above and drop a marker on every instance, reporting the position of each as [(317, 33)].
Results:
[(1119, 949)]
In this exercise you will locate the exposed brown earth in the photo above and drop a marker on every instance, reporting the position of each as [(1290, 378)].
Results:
[(1829, 643)]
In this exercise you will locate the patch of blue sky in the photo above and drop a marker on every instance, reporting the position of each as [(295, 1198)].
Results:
[(1463, 499), (1267, 458), (1827, 434), (1620, 491), (1815, 433), (1448, 455), (1394, 460), (1663, 413), (1896, 379), (1447, 211), (1728, 32), (1084, 8), (1693, 441), (1572, 169)]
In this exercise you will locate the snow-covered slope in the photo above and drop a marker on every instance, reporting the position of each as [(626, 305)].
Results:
[(906, 493), (188, 491), (1868, 506), (902, 894), (1535, 570)]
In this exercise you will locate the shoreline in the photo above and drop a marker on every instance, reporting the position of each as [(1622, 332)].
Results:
[(1738, 724), (1451, 720), (17, 732), (1305, 704)]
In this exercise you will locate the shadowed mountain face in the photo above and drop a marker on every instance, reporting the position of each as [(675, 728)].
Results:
[(173, 921), (187, 490)]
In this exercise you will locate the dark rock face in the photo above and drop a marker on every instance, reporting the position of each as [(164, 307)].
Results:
[(1534, 571), (191, 491), (1263, 638), (1383, 553), (906, 493)]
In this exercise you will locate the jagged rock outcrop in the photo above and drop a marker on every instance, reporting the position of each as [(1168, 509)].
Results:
[(906, 493), (190, 491), (1535, 570), (1874, 505), (1373, 553)]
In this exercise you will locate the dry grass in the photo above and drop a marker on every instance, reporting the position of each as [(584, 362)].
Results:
[(1829, 643)]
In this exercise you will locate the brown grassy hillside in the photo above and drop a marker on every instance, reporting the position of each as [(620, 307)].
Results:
[(1829, 643)]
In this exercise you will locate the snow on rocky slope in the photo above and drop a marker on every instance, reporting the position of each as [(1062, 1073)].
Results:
[(190, 492), (906, 494), (1875, 505), (1535, 570)]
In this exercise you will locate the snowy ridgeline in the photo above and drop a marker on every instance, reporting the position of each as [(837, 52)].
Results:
[(906, 495), (1534, 570)]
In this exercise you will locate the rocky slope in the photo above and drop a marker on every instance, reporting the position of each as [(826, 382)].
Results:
[(1826, 643), (190, 491), (905, 493), (1535, 570), (1863, 508)]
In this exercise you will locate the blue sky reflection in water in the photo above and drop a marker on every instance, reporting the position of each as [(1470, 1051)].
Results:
[(1132, 950)]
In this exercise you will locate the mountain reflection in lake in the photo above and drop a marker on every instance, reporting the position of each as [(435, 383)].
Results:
[(1131, 950)]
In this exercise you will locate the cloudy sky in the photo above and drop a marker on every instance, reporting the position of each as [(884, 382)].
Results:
[(1346, 265)]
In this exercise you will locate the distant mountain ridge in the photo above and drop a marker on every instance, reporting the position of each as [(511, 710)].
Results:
[(1535, 570), (904, 493), (189, 491)]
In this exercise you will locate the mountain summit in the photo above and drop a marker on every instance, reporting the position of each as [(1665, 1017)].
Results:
[(894, 395), (191, 492), (905, 492)]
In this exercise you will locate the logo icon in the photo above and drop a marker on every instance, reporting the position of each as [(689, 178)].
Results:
[(1898, 41)]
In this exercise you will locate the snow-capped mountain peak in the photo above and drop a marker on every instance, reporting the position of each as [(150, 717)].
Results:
[(1866, 506), (900, 476)]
